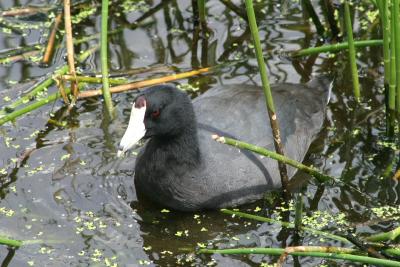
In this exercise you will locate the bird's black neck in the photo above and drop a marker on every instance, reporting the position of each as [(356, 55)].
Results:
[(182, 148)]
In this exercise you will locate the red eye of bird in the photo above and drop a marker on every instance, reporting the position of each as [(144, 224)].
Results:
[(155, 113)]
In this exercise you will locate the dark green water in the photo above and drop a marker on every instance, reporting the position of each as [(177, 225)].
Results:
[(72, 192)]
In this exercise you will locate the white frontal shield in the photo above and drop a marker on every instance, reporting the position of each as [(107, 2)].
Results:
[(135, 131)]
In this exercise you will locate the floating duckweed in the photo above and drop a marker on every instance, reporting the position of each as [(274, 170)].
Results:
[(212, 262), (89, 225), (144, 262), (179, 233), (135, 5), (321, 219), (66, 156), (3, 171), (13, 189), (97, 253), (82, 253), (7, 141), (7, 98), (45, 250), (7, 212), (356, 132), (147, 248), (166, 252), (7, 30), (34, 134), (109, 263), (372, 15), (165, 211), (35, 170), (203, 229), (82, 162), (84, 14), (257, 209), (187, 87), (31, 263), (201, 245), (385, 212), (391, 145)]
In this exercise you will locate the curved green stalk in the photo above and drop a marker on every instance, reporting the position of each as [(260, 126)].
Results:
[(352, 51), (43, 85), (51, 98), (10, 242), (260, 59), (267, 92), (395, 11), (262, 151), (104, 57), (15, 114), (280, 251), (333, 48), (39, 88), (384, 11), (392, 76), (391, 235)]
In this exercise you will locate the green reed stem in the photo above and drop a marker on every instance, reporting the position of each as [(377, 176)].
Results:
[(87, 79), (392, 76), (51, 98), (201, 4), (260, 59), (104, 57), (267, 92), (262, 151), (39, 88), (391, 235), (352, 51), (395, 10), (280, 251), (299, 212), (10, 242), (384, 10), (333, 48), (43, 85)]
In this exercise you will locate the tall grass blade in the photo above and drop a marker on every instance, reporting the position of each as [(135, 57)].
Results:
[(352, 51), (267, 92), (104, 57)]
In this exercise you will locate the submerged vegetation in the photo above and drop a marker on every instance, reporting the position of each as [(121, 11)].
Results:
[(325, 234)]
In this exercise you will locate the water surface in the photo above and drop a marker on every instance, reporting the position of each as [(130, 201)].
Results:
[(71, 191)]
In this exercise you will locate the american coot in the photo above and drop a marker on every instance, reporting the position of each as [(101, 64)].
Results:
[(183, 168)]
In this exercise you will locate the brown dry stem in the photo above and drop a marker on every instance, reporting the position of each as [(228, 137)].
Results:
[(70, 45), (146, 83), (48, 53)]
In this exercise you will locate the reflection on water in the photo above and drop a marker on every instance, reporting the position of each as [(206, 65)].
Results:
[(65, 185)]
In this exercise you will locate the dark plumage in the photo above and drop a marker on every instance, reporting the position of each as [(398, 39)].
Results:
[(183, 168)]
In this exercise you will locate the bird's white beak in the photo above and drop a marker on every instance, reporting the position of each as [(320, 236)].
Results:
[(135, 131)]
